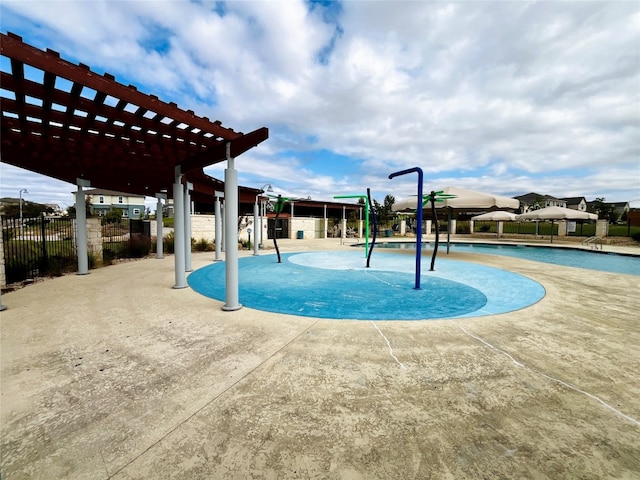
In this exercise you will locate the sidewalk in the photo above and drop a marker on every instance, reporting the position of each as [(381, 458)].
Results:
[(116, 375)]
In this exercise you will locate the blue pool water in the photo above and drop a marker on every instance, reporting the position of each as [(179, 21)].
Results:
[(337, 285), (568, 257)]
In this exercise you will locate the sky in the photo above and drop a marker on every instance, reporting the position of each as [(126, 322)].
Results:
[(506, 97)]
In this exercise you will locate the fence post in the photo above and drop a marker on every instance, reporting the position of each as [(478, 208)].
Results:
[(3, 275), (45, 256)]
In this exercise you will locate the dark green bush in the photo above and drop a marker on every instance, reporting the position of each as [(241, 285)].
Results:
[(139, 246)]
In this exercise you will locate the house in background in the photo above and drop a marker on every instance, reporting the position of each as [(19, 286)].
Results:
[(103, 201), (576, 203), (535, 201)]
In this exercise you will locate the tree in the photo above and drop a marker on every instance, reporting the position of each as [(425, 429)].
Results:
[(604, 210), (384, 212), (29, 209)]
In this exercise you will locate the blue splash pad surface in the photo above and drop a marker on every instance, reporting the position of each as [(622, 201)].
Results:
[(337, 285)]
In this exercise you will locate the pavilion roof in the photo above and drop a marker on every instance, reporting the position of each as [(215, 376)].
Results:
[(67, 122)]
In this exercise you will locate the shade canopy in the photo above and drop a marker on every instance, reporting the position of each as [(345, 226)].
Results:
[(557, 213), (496, 216), (464, 200)]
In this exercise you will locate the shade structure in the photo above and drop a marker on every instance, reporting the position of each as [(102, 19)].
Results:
[(557, 213), (496, 216), (465, 199)]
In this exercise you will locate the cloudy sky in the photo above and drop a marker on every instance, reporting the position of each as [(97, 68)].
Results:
[(504, 97)]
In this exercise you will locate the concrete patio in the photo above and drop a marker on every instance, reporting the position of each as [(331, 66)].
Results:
[(115, 375)]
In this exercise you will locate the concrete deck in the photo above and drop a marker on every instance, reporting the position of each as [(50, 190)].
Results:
[(115, 375)]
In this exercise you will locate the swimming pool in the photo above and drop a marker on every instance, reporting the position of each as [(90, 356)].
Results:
[(568, 257), (337, 285)]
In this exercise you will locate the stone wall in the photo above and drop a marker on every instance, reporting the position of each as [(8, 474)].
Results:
[(203, 226), (94, 237), (310, 227)]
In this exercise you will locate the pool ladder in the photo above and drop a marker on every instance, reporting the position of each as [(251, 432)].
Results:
[(593, 242)]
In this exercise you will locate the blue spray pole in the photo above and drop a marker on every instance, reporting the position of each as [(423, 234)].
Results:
[(419, 214)]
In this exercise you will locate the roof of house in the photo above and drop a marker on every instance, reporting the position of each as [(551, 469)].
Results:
[(104, 191), (532, 197), (573, 200)]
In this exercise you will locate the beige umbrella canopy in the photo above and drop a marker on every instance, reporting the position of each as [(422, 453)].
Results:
[(464, 200), (496, 216), (556, 213)]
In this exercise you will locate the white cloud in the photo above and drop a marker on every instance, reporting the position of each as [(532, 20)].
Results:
[(505, 96)]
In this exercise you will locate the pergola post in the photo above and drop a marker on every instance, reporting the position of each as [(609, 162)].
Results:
[(256, 215), (218, 225), (360, 224), (343, 234), (187, 227), (231, 234), (326, 222), (178, 231), (81, 228), (159, 225)]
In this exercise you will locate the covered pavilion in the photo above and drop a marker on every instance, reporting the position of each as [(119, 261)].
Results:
[(65, 121)]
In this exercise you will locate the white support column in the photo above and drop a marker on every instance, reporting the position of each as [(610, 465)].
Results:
[(326, 223), (187, 227), (218, 220), (343, 233), (224, 242), (360, 224), (403, 226), (231, 234), (256, 215), (178, 231), (81, 228), (159, 225), (471, 226), (428, 229), (500, 229)]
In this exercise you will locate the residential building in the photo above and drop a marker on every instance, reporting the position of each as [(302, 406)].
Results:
[(103, 201), (535, 201), (576, 203)]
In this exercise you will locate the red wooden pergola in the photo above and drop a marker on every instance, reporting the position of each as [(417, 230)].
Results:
[(67, 122)]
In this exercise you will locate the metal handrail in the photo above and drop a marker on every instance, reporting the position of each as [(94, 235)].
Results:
[(593, 242)]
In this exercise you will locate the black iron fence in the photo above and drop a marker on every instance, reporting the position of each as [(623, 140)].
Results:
[(126, 238), (38, 247)]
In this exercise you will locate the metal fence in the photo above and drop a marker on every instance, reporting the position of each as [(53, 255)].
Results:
[(126, 238), (38, 246)]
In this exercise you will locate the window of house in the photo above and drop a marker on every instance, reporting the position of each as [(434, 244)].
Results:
[(101, 200), (120, 200), (125, 214), (136, 211)]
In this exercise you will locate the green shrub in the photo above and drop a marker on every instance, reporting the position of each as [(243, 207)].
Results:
[(168, 243), (636, 236), (485, 228), (113, 216), (202, 245)]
